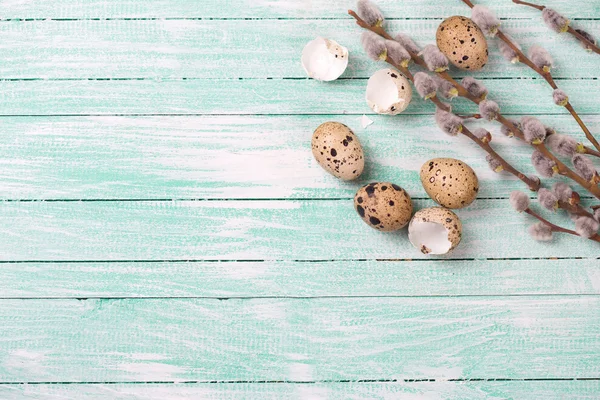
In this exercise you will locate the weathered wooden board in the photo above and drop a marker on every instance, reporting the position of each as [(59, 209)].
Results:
[(299, 279), (232, 156), (229, 9), (549, 390), (252, 230), (261, 97), (235, 49), (299, 340)]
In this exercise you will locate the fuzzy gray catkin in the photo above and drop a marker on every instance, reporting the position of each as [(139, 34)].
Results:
[(397, 53), (541, 232), (533, 130), (425, 84), (369, 13), (540, 57), (560, 97), (507, 52), (563, 145), (449, 123), (554, 20), (584, 167), (586, 227), (436, 60), (494, 164), (544, 166), (374, 45), (562, 191), (483, 135), (519, 201), (489, 109), (474, 87), (485, 19), (507, 132), (548, 199), (597, 214), (445, 88), (408, 43)]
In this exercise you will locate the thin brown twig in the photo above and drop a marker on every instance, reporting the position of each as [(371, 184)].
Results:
[(532, 184), (574, 209), (462, 92), (548, 77), (556, 228), (589, 45), (590, 151)]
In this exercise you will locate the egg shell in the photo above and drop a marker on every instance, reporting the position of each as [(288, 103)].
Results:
[(449, 182), (337, 149), (438, 215), (383, 206), (388, 92), (463, 42)]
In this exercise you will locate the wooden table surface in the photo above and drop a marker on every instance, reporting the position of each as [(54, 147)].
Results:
[(166, 233)]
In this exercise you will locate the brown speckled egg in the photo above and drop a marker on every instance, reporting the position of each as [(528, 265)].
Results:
[(383, 206), (449, 182), (435, 230), (461, 40), (337, 149)]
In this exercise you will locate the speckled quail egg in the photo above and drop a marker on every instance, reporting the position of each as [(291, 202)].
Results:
[(388, 92), (337, 149), (435, 230), (462, 41), (383, 206), (449, 182)]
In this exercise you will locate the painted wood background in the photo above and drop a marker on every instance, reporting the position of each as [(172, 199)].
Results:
[(166, 234)]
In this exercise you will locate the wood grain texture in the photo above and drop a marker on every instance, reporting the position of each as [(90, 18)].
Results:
[(232, 156), (261, 96), (252, 230), (300, 279), (549, 390), (236, 49), (299, 340), (18, 9)]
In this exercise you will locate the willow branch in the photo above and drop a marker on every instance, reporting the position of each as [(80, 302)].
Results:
[(556, 228), (533, 185), (463, 92), (574, 209), (590, 45), (548, 77)]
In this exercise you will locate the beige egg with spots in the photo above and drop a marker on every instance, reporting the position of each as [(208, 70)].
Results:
[(463, 42), (384, 206), (337, 149), (435, 230), (449, 182)]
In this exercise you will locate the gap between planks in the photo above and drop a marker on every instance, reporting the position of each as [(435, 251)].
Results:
[(306, 382)]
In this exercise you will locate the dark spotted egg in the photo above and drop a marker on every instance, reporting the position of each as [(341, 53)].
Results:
[(461, 40), (449, 182), (383, 206), (337, 149)]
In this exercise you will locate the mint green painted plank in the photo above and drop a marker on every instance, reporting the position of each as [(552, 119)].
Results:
[(300, 279), (299, 340), (261, 96), (548, 390), (234, 49), (266, 9), (231, 156), (252, 230)]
